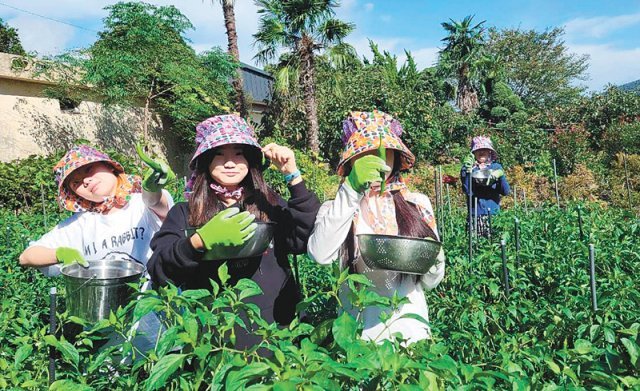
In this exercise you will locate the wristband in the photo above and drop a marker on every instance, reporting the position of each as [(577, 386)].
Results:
[(290, 177)]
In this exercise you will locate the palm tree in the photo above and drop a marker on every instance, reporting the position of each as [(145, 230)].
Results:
[(460, 58), (302, 28), (232, 39)]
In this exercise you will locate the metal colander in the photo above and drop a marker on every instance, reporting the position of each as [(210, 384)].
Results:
[(398, 253), (253, 247), (483, 177)]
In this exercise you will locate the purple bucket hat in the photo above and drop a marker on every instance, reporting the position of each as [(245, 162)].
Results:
[(483, 142), (222, 130)]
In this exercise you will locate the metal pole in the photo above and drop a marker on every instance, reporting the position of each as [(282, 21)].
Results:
[(515, 197), (505, 270), (52, 331), (490, 227), (555, 181), (524, 194), (517, 239), (475, 219), (626, 175), (44, 210), (470, 224), (592, 277), (448, 199)]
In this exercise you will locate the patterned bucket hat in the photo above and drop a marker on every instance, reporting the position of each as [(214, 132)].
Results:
[(221, 130), (484, 142), (75, 158), (362, 131)]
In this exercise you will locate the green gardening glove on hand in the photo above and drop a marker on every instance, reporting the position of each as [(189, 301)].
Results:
[(468, 162), (157, 176), (227, 228), (497, 174), (69, 256), (365, 170)]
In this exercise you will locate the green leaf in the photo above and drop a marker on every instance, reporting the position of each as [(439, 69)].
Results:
[(247, 289), (553, 366), (146, 305), (22, 353), (196, 294), (237, 379), (344, 330), (163, 369), (446, 363), (632, 349), (68, 385), (69, 352), (223, 273), (582, 346)]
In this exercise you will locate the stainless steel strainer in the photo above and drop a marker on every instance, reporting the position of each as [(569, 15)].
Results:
[(398, 253)]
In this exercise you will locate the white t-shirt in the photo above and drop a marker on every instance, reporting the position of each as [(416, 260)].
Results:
[(129, 230)]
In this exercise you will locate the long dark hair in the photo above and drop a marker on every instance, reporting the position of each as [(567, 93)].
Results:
[(408, 217), (258, 197)]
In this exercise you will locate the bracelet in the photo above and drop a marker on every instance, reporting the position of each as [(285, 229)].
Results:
[(290, 177)]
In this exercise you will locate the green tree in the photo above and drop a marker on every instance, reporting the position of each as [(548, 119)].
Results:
[(538, 65), (302, 28), (232, 48), (141, 56), (460, 59), (9, 40)]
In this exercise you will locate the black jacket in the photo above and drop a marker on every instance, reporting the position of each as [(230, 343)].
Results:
[(174, 258)]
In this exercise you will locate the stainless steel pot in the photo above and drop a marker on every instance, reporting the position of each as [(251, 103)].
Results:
[(102, 287), (482, 177)]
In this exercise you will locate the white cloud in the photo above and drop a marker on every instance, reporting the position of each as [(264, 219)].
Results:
[(608, 64), (599, 27), (425, 57), (41, 35)]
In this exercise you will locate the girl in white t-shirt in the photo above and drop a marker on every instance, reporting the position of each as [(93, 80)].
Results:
[(362, 208), (113, 212)]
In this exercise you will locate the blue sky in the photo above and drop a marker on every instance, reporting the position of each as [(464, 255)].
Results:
[(609, 32)]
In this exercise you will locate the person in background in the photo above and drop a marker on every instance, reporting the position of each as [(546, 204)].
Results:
[(361, 208), (488, 194)]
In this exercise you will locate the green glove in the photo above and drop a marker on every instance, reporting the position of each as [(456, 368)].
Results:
[(496, 174), (157, 176), (69, 256), (227, 228), (365, 170), (468, 162)]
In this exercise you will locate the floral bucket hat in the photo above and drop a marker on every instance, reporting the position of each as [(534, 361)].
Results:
[(362, 131), (80, 156), (221, 130), (483, 142)]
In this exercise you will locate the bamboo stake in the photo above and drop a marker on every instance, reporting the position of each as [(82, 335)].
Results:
[(626, 175)]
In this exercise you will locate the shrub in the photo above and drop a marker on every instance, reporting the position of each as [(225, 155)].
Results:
[(623, 137), (581, 185), (570, 146)]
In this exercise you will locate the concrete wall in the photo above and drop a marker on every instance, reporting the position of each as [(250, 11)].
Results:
[(32, 124)]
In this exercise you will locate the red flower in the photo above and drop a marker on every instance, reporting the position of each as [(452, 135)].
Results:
[(449, 179)]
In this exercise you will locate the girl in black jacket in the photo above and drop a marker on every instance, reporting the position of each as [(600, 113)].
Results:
[(226, 192)]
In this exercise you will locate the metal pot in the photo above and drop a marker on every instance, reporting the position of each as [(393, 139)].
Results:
[(482, 177), (255, 246), (398, 253), (93, 292)]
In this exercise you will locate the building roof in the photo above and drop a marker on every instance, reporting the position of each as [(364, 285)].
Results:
[(257, 83)]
